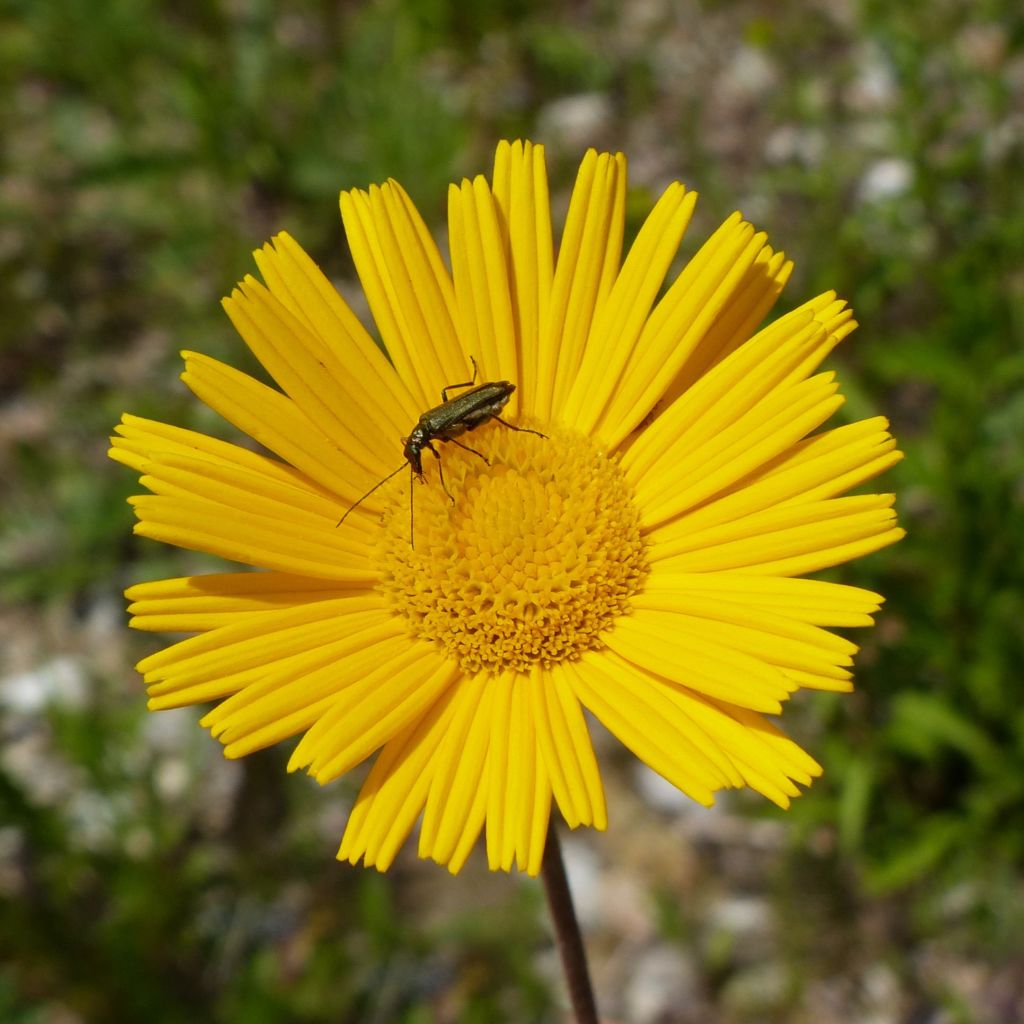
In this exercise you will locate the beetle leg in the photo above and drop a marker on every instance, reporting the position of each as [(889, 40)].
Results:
[(440, 472), (518, 430), (466, 448), (466, 384), (444, 486)]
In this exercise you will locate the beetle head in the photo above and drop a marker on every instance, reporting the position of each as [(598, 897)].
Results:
[(413, 449)]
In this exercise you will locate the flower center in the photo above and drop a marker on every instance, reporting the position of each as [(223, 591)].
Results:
[(538, 554)]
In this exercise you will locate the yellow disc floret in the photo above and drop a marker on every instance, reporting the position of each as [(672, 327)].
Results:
[(537, 555)]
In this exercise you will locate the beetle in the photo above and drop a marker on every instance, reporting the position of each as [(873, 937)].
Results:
[(445, 422)]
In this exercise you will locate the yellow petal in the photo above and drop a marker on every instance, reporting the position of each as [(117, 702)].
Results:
[(409, 290), (772, 642), (481, 275), (813, 601), (391, 694), (455, 810), (519, 791), (252, 539), (395, 791), (817, 542), (277, 423), (290, 698), (256, 631), (735, 386), (233, 658), (753, 439), (349, 355), (140, 441), (699, 661), (195, 604), (568, 753), (521, 193), (792, 478), (293, 355), (682, 535), (642, 719), (737, 321), (620, 321), (703, 292), (588, 261)]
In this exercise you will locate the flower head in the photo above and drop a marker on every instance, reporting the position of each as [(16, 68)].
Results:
[(626, 535)]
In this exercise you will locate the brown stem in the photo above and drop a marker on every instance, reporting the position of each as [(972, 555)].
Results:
[(567, 931)]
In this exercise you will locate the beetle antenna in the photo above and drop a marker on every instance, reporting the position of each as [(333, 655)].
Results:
[(380, 483), (412, 535)]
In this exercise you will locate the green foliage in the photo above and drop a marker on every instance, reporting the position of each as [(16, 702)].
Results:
[(927, 777), (140, 902)]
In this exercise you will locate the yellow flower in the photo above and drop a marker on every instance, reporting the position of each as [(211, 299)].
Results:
[(637, 556)]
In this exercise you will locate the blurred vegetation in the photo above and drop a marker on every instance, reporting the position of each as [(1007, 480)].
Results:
[(149, 146)]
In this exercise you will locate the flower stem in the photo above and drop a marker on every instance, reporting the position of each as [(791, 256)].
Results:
[(567, 931)]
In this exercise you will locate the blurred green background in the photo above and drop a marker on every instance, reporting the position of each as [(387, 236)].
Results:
[(147, 147)]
